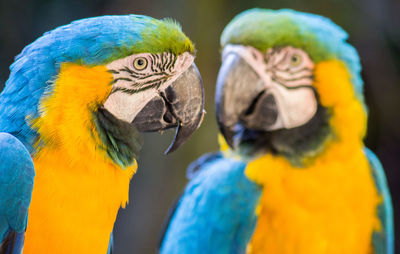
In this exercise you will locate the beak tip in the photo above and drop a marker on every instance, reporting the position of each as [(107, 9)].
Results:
[(228, 135), (169, 150), (230, 143)]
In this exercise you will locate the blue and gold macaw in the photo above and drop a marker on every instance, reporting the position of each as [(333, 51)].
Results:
[(294, 175), (72, 111)]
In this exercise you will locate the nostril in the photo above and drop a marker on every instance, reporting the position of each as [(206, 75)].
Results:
[(169, 95), (262, 113), (168, 117), (253, 104)]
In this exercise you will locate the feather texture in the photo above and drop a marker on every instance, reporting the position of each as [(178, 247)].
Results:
[(16, 183)]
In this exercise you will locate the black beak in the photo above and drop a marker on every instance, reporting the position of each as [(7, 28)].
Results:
[(241, 99), (180, 105)]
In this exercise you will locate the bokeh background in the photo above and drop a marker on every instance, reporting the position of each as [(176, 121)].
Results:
[(374, 28)]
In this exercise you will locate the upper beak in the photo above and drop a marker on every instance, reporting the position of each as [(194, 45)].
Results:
[(241, 97), (180, 105)]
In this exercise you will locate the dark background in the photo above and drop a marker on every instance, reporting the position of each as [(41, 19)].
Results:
[(374, 28)]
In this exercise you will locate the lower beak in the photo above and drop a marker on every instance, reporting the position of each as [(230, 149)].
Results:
[(180, 105)]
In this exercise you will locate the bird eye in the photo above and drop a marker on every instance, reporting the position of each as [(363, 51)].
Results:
[(140, 63), (295, 60)]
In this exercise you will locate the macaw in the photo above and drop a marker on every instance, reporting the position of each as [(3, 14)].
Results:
[(293, 174), (71, 114)]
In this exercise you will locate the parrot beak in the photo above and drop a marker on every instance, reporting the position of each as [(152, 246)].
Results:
[(242, 100), (180, 105)]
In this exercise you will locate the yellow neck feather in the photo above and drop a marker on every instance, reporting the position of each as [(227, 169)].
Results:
[(78, 189)]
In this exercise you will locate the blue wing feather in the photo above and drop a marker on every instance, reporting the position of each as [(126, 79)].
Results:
[(111, 244), (383, 241), (16, 183), (216, 213)]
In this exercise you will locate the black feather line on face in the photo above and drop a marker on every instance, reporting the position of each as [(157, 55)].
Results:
[(159, 64), (166, 75), (122, 78), (126, 69), (281, 79), (171, 62), (132, 73), (288, 70), (132, 91), (166, 59), (113, 71), (162, 63), (139, 87), (153, 60), (276, 51), (283, 82)]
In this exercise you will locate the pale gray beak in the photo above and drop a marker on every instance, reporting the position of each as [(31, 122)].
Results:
[(241, 98)]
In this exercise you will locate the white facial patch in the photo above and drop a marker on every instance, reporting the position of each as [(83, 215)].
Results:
[(287, 74), (140, 77)]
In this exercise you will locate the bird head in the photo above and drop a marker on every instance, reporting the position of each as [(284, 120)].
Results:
[(107, 79), (159, 86), (288, 84)]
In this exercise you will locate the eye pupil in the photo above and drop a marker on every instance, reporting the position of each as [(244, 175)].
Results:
[(295, 59), (140, 63)]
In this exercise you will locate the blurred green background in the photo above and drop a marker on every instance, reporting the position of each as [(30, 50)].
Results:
[(374, 28)]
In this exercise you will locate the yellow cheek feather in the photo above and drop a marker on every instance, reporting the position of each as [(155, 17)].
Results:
[(78, 189), (329, 206)]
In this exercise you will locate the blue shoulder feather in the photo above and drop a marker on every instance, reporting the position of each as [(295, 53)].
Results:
[(383, 241), (111, 244), (216, 213), (16, 183)]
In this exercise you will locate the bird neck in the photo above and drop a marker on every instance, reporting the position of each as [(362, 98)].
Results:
[(68, 118)]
